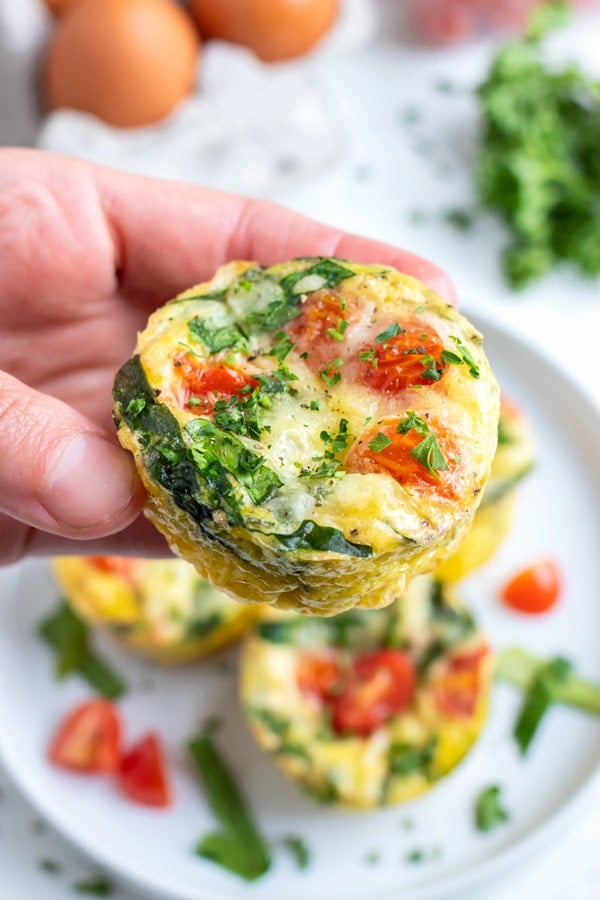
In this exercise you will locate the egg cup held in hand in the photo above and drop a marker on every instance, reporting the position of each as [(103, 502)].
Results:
[(159, 608), (514, 459), (311, 435), (369, 709)]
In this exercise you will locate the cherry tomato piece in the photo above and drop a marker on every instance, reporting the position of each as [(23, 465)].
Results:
[(114, 565), (205, 384), (411, 357), (318, 676), (457, 684), (535, 589), (89, 739), (381, 685), (397, 459), (321, 314), (142, 774)]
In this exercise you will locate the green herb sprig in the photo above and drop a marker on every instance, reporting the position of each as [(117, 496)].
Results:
[(238, 846), (299, 850), (216, 337), (331, 374), (70, 638), (538, 165), (489, 809), (544, 682), (460, 356), (427, 452)]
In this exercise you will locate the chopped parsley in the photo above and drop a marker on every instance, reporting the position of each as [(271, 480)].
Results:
[(325, 273), (299, 850), (96, 886), (70, 638), (334, 444), (489, 811), (428, 452), (337, 334), (135, 406), (224, 461), (326, 792), (379, 442), (327, 468), (369, 356), (51, 866), (419, 855), (315, 404), (216, 337), (537, 164), (461, 219), (405, 759), (431, 370), (460, 356), (238, 845), (275, 723), (390, 332), (287, 293), (242, 413), (283, 346), (276, 314), (331, 374)]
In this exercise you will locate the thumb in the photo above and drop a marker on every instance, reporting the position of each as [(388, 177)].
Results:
[(59, 472)]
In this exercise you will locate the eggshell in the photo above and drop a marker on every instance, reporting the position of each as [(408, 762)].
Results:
[(129, 62)]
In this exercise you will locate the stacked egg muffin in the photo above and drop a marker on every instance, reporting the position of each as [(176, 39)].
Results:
[(319, 436), (372, 708), (366, 708)]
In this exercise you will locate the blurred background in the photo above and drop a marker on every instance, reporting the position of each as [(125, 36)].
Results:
[(366, 114), (363, 113)]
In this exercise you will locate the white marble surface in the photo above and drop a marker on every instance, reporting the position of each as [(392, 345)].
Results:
[(390, 169)]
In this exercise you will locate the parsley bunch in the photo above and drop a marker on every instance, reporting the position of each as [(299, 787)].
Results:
[(538, 163)]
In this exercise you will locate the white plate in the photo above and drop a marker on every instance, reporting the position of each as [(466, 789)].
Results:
[(559, 515)]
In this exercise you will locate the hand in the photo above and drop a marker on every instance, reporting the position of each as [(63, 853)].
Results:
[(86, 254)]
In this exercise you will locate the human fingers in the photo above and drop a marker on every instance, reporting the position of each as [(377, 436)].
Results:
[(61, 473), (140, 539), (170, 235)]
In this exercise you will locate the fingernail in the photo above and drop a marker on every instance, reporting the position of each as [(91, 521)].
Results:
[(91, 483)]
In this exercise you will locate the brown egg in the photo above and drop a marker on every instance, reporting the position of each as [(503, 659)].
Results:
[(274, 29), (127, 61)]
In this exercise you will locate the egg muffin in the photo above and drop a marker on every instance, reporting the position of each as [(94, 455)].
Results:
[(310, 435), (160, 608), (369, 709), (514, 459)]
